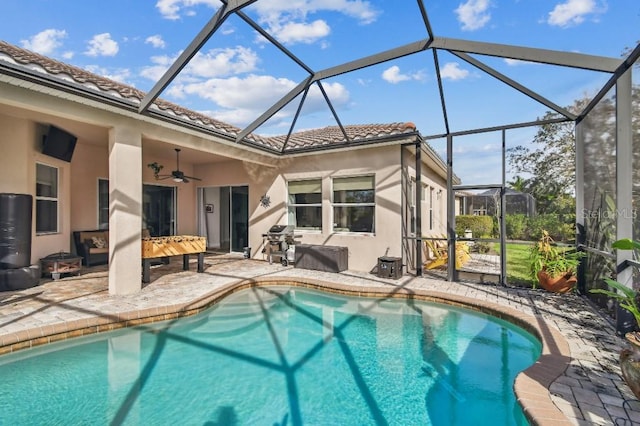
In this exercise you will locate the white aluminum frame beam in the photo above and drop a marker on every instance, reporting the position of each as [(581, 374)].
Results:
[(530, 54), (514, 84), (388, 55), (200, 39)]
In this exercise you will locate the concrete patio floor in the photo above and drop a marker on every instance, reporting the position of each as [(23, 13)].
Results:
[(583, 380)]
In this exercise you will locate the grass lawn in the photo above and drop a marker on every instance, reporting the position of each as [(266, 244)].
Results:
[(517, 263)]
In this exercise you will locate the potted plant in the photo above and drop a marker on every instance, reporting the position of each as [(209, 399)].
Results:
[(553, 267), (629, 300)]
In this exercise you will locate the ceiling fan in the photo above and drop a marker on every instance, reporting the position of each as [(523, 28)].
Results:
[(177, 175)]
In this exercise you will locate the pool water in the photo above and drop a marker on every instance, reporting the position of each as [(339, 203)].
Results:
[(279, 356)]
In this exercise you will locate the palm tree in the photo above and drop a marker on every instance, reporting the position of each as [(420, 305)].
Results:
[(518, 184)]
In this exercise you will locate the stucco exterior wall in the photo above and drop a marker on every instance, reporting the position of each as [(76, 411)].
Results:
[(434, 196), (364, 249), (79, 190), (17, 138), (20, 140), (89, 163)]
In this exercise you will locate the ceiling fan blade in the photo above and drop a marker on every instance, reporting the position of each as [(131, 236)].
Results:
[(192, 177)]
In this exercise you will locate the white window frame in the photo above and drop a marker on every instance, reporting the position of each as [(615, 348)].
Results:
[(335, 204), (291, 205), (412, 205), (55, 199), (100, 206)]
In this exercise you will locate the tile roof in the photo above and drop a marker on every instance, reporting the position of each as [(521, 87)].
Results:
[(303, 140)]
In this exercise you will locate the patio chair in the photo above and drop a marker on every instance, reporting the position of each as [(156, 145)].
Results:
[(437, 254)]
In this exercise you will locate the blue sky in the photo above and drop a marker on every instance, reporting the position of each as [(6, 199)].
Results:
[(237, 75)]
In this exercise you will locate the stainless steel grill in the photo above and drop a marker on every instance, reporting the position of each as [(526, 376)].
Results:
[(277, 241)]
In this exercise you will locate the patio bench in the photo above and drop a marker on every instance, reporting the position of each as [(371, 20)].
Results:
[(322, 258)]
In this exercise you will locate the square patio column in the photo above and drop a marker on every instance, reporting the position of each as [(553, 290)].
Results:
[(624, 191), (125, 210)]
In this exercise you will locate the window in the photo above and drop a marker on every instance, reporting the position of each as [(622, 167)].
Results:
[(103, 204), (431, 189), (412, 205), (305, 204), (46, 199), (354, 204)]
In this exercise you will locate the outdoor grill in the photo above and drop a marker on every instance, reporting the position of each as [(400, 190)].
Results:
[(277, 241)]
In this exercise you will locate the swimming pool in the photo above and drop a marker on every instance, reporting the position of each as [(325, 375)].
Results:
[(279, 355)]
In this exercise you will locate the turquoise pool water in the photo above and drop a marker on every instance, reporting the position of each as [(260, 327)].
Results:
[(279, 356)]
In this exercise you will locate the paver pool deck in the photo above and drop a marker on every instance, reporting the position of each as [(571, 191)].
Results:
[(576, 381)]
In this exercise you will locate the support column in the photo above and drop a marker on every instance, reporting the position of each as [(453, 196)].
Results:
[(581, 237), (418, 204), (452, 274), (125, 210), (503, 213), (624, 191)]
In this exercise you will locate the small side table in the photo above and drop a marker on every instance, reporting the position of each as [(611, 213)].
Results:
[(57, 264)]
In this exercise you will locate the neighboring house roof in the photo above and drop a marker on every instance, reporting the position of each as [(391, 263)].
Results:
[(507, 191), (326, 137)]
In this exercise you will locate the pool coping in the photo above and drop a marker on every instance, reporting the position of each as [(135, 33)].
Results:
[(531, 386)]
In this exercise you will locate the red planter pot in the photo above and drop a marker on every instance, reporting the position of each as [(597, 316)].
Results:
[(561, 284), (630, 363)]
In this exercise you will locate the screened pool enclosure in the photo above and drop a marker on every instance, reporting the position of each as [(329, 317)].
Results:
[(607, 145)]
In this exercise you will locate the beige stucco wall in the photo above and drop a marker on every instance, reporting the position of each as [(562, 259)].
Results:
[(364, 249), (434, 195), (17, 137), (89, 163), (21, 109), (20, 141), (20, 138), (79, 186)]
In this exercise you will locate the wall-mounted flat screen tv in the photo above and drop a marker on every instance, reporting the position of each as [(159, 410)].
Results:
[(59, 144)]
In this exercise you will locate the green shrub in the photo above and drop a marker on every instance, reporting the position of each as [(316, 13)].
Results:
[(516, 226), (559, 229), (481, 226), (480, 247)]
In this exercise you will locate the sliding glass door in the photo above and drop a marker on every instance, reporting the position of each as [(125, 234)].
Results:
[(224, 217), (159, 210)]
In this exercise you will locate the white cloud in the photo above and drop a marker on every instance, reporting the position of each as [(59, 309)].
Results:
[(288, 20), (518, 62), (156, 41), (361, 10), (250, 92), (572, 12), (214, 63), (452, 71), (155, 72), (299, 32), (473, 14), (172, 9), (223, 62), (45, 42), (242, 100), (393, 75), (514, 62), (102, 45)]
